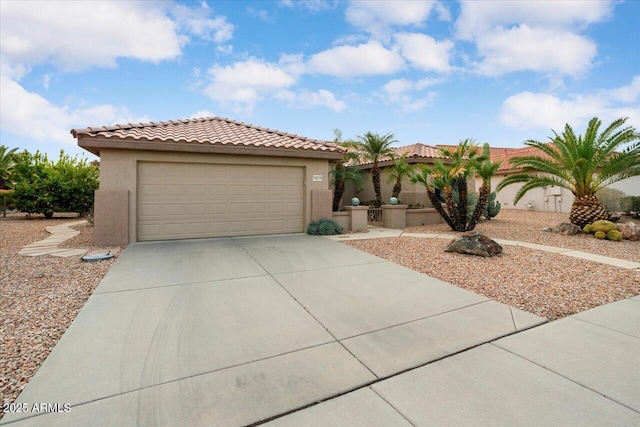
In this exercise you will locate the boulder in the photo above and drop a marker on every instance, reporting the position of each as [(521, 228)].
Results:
[(629, 231), (616, 216), (474, 243), (568, 228)]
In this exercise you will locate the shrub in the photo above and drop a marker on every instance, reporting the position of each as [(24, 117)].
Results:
[(43, 186), (611, 199), (324, 227), (631, 205)]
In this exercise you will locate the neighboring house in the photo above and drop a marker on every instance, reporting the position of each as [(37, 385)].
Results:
[(206, 177), (412, 194), (550, 199)]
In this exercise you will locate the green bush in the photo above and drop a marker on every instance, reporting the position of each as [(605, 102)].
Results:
[(43, 186), (611, 199), (324, 227), (631, 205)]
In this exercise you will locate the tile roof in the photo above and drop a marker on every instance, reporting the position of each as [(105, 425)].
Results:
[(505, 154), (218, 131), (414, 151)]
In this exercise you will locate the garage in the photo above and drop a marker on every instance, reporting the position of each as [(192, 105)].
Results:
[(182, 200), (205, 178)]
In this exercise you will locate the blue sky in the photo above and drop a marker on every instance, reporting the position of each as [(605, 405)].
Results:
[(427, 71)]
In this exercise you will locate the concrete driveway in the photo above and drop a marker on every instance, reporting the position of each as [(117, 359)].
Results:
[(235, 331)]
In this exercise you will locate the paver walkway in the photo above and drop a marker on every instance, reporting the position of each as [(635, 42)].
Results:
[(49, 246), (380, 233)]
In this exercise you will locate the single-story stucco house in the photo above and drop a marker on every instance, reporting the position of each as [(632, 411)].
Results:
[(549, 199), (205, 177)]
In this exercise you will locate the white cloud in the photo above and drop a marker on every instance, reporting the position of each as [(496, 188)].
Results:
[(425, 52), (245, 83), (201, 114), (348, 61), (30, 115), (308, 99), (479, 17), (407, 95), (536, 49), (376, 16), (310, 5), (539, 36), (544, 110), (196, 21), (78, 35)]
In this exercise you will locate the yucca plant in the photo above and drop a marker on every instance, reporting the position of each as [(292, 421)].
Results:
[(583, 164)]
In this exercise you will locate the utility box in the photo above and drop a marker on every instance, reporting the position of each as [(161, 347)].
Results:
[(554, 190)]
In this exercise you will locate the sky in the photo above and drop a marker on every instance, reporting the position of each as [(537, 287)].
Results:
[(434, 72)]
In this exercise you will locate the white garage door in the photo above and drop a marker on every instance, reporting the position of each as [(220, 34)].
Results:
[(184, 200)]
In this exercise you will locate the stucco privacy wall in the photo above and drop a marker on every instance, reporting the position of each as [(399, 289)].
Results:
[(550, 199), (118, 171)]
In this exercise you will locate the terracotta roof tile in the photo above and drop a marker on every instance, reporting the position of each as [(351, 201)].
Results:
[(417, 150), (209, 130)]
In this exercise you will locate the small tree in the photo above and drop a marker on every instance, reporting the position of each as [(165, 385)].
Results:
[(43, 186), (451, 179), (7, 164), (342, 172), (372, 147), (399, 170)]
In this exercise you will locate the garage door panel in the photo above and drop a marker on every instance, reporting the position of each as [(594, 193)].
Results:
[(195, 200)]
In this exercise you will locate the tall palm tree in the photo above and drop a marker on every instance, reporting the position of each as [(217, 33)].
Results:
[(373, 147), (342, 172), (399, 170), (582, 164), (7, 162)]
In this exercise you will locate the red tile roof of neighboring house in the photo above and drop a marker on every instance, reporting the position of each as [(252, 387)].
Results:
[(414, 151), (505, 154), (216, 131)]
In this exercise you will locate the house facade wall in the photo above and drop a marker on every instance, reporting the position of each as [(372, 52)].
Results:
[(118, 172), (549, 199)]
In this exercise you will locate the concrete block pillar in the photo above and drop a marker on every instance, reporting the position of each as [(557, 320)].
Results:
[(358, 220), (321, 204), (394, 216), (111, 218)]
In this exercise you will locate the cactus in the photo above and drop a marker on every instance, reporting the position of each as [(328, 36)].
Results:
[(600, 235), (587, 229), (492, 207), (614, 235), (603, 225)]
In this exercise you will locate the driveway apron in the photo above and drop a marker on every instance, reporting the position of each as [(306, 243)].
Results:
[(235, 331)]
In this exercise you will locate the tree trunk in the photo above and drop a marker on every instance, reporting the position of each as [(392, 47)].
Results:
[(397, 189), (462, 203), (452, 209), (375, 175), (437, 205), (587, 209), (483, 195), (337, 195)]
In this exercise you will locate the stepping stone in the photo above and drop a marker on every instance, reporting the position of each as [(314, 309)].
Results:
[(69, 253)]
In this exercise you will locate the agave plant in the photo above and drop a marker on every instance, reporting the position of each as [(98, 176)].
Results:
[(583, 164)]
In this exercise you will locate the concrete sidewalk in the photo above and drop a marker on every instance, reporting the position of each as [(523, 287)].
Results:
[(240, 330), (580, 370)]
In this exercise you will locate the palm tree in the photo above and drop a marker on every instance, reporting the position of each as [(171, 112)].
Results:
[(7, 162), (398, 171), (485, 170), (342, 172), (582, 164), (372, 147), (452, 180)]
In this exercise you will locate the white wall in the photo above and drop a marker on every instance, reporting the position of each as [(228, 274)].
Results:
[(631, 186), (548, 199)]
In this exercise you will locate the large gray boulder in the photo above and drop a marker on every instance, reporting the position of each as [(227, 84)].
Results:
[(568, 228), (474, 243)]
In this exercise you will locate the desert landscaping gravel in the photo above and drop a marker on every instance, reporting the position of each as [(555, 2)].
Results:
[(40, 297), (543, 283)]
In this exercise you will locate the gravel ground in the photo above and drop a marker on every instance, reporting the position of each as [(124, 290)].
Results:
[(40, 297), (547, 284), (527, 226)]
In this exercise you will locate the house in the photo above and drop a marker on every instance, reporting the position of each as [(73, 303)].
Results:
[(412, 194), (205, 177)]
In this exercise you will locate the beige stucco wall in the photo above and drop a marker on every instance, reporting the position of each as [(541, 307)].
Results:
[(118, 171), (630, 186), (413, 193), (539, 199)]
